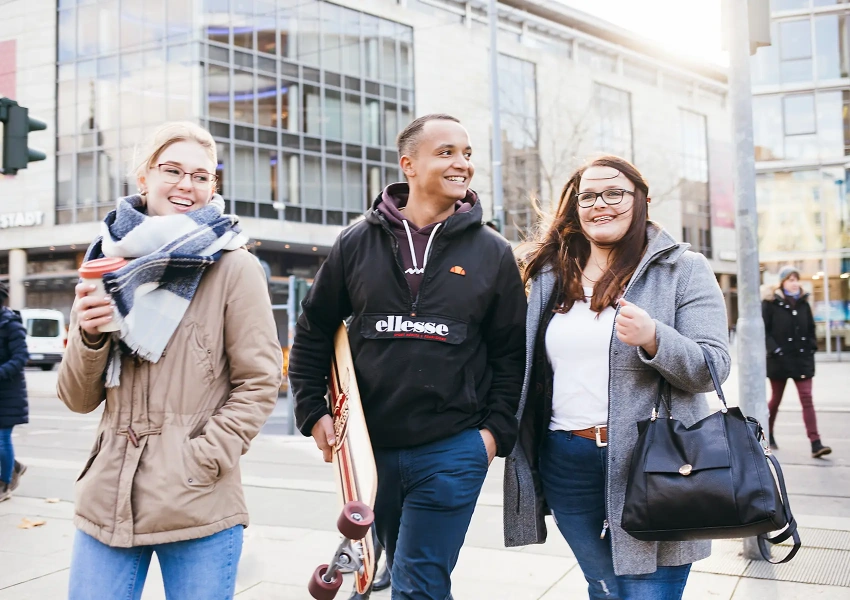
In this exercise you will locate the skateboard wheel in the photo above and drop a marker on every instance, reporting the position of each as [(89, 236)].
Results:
[(321, 589), (355, 520)]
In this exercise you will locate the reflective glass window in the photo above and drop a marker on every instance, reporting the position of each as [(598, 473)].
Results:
[(333, 184), (243, 173), (799, 114), (831, 46), (350, 41), (795, 51), (331, 41), (308, 32), (765, 63), (312, 185), (371, 45), (242, 23), (267, 94), (243, 97), (218, 92), (288, 33), (355, 197), (265, 24), (312, 105), (767, 114), (333, 114)]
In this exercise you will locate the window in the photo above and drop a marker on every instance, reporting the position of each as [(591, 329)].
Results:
[(831, 46), (44, 328), (614, 117), (694, 190), (795, 51), (768, 137), (521, 170)]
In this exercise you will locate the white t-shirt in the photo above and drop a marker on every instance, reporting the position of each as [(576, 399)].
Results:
[(578, 345)]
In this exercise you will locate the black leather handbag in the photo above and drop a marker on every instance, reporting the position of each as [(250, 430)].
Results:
[(715, 479)]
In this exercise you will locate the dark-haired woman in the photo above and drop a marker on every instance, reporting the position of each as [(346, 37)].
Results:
[(615, 305)]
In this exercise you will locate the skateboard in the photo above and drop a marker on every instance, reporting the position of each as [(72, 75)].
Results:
[(356, 479)]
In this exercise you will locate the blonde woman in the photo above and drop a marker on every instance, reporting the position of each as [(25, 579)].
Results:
[(188, 380)]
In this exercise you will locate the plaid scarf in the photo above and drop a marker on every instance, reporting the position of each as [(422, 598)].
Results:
[(167, 257)]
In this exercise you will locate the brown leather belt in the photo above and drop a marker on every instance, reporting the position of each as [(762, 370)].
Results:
[(598, 434)]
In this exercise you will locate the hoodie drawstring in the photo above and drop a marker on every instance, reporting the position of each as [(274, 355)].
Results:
[(416, 270)]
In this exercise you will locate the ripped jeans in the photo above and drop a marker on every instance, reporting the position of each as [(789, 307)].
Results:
[(572, 469)]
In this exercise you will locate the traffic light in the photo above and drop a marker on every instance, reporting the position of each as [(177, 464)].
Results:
[(16, 127)]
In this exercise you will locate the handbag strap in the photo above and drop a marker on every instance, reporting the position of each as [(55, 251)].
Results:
[(790, 529), (714, 378)]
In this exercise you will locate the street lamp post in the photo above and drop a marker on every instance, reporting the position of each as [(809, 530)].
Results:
[(751, 356), (498, 194)]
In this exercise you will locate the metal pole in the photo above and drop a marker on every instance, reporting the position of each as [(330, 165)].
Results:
[(822, 203), (498, 195), (751, 354)]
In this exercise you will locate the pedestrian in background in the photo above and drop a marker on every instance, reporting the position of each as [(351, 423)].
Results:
[(14, 408), (615, 305), (789, 328), (188, 382)]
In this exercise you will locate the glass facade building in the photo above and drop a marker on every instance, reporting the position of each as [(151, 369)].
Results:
[(304, 99), (801, 109)]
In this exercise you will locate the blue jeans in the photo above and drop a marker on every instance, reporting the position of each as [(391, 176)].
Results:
[(202, 569), (426, 496), (7, 455), (572, 470)]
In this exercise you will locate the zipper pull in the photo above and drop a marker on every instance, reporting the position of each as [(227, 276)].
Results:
[(604, 529)]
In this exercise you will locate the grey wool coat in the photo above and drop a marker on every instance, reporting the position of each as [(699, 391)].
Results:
[(679, 291)]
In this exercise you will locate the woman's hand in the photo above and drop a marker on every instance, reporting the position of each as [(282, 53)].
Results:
[(92, 312), (635, 327)]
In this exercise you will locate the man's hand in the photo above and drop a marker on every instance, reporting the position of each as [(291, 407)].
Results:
[(323, 434), (489, 443), (636, 328)]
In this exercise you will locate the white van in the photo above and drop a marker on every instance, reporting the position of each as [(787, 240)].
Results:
[(46, 336)]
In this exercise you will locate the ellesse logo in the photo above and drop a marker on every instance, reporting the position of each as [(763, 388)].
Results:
[(397, 324), (424, 327)]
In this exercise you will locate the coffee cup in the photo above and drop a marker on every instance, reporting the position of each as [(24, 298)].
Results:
[(92, 272)]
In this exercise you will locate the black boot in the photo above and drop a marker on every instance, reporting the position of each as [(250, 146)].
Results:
[(382, 580), (818, 449), (773, 445)]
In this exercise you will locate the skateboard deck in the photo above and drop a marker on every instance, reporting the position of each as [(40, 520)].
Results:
[(353, 460)]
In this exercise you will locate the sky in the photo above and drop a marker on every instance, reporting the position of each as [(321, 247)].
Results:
[(688, 27)]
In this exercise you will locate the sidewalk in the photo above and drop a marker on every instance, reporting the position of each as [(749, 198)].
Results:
[(293, 505)]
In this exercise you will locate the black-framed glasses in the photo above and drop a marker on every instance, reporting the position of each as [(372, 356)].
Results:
[(610, 197), (173, 174)]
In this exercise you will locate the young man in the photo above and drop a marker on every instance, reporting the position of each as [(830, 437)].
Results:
[(438, 339)]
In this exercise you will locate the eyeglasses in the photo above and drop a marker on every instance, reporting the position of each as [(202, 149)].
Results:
[(610, 197), (172, 174)]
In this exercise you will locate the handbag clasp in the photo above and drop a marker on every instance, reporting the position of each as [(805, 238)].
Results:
[(685, 470)]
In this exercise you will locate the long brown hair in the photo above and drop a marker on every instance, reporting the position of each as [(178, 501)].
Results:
[(563, 246)]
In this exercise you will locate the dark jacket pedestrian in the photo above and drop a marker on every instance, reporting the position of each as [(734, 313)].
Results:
[(437, 334), (791, 344), (14, 408)]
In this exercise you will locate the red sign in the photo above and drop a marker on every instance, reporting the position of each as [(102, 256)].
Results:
[(8, 60)]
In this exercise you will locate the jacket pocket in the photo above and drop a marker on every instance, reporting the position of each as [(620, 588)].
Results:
[(196, 475), (92, 456)]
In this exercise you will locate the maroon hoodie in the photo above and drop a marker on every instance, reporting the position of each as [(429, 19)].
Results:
[(393, 201)]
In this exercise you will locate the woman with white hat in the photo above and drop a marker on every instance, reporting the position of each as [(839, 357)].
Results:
[(791, 346)]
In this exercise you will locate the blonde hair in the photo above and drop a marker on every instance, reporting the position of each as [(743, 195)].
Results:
[(171, 133)]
